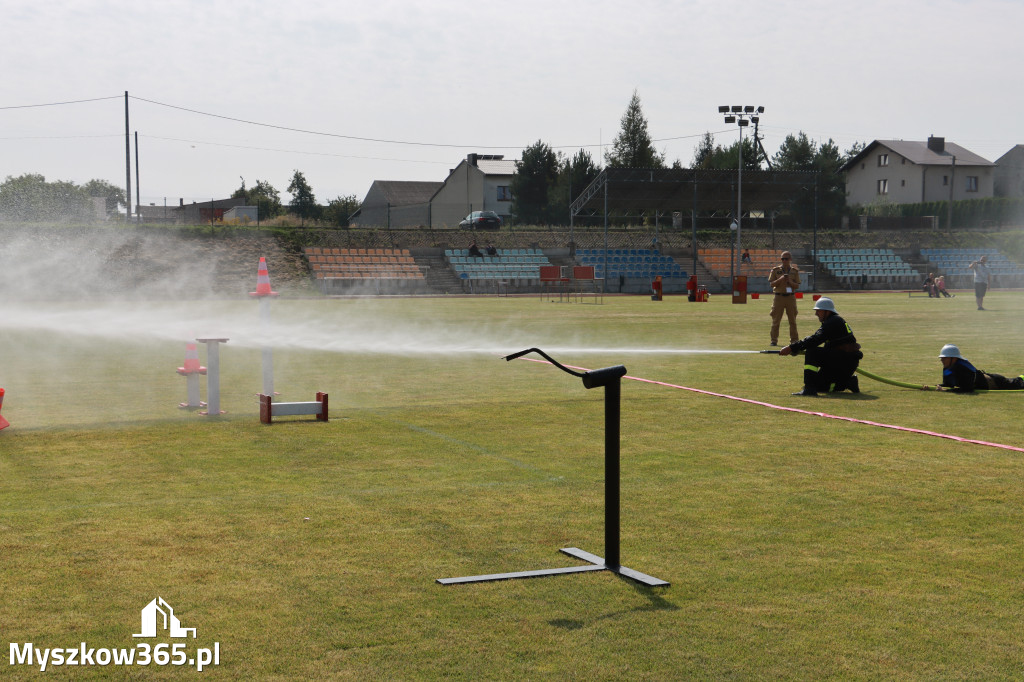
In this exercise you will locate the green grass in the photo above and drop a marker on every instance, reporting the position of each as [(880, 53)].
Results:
[(797, 547)]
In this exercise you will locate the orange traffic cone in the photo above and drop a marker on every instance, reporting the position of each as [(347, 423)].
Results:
[(262, 281), (3, 422), (191, 361)]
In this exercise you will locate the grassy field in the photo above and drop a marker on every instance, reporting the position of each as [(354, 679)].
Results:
[(797, 546)]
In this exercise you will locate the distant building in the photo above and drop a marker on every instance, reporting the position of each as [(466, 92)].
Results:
[(204, 211), (157, 214), (396, 203), (241, 214), (1009, 181), (481, 182), (910, 172)]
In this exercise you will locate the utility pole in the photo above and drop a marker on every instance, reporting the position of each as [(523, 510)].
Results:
[(952, 180), (127, 163), (138, 201)]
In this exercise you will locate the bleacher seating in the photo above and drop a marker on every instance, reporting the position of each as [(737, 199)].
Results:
[(719, 261), (630, 263), (361, 264), (508, 264), (878, 266), (955, 262)]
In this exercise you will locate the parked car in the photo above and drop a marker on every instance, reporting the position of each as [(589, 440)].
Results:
[(481, 220)]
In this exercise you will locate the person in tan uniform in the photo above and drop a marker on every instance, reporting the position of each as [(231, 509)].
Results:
[(784, 280)]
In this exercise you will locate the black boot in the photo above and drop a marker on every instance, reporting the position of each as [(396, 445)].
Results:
[(853, 383), (806, 390)]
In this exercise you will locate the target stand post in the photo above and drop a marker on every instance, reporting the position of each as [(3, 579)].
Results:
[(611, 379)]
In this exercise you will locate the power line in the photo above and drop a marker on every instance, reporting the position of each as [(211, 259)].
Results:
[(301, 130), (59, 137), (285, 151), (381, 140), (315, 132), (57, 104)]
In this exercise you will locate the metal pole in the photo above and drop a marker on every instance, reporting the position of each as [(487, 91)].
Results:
[(127, 163), (138, 200), (604, 280), (612, 397), (212, 376), (693, 225), (610, 378), (739, 198), (814, 260), (268, 352), (952, 179)]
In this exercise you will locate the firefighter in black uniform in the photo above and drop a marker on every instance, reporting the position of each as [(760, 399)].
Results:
[(960, 376), (828, 367)]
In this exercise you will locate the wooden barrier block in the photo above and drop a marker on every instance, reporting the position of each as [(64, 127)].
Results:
[(269, 409)]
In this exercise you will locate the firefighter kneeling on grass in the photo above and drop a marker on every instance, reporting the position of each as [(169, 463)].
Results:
[(828, 367)]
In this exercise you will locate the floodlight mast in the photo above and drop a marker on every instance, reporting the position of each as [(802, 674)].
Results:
[(741, 115)]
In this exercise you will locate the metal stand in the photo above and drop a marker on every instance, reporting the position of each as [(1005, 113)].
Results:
[(212, 376), (611, 379)]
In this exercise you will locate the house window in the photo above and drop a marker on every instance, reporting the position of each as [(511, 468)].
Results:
[(972, 183), (883, 186), (945, 180), (883, 159), (504, 193), (903, 183)]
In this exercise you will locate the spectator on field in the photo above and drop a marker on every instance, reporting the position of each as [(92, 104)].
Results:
[(929, 286), (474, 250), (940, 286), (981, 278), (491, 251)]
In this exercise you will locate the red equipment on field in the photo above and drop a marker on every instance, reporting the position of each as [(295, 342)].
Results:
[(3, 422), (657, 294)]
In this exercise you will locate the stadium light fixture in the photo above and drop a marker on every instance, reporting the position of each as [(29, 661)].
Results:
[(741, 116)]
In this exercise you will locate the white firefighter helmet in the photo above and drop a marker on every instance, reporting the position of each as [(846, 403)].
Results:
[(825, 303), (950, 351)]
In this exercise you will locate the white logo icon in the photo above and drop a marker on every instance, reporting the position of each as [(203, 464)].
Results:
[(170, 621)]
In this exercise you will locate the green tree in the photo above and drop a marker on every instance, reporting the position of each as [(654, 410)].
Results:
[(797, 152), (709, 156), (632, 147), (574, 175), (303, 201), (535, 175), (704, 151), (263, 196), (339, 210), (30, 198), (800, 153), (112, 193)]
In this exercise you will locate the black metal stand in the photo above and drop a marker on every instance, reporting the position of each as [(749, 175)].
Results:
[(611, 379)]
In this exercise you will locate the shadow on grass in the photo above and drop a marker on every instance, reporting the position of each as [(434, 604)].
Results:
[(852, 396), (652, 594)]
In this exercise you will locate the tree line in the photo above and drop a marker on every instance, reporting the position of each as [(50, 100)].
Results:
[(545, 182), (31, 198)]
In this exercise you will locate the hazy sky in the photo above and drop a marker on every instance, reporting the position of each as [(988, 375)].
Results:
[(402, 90)]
